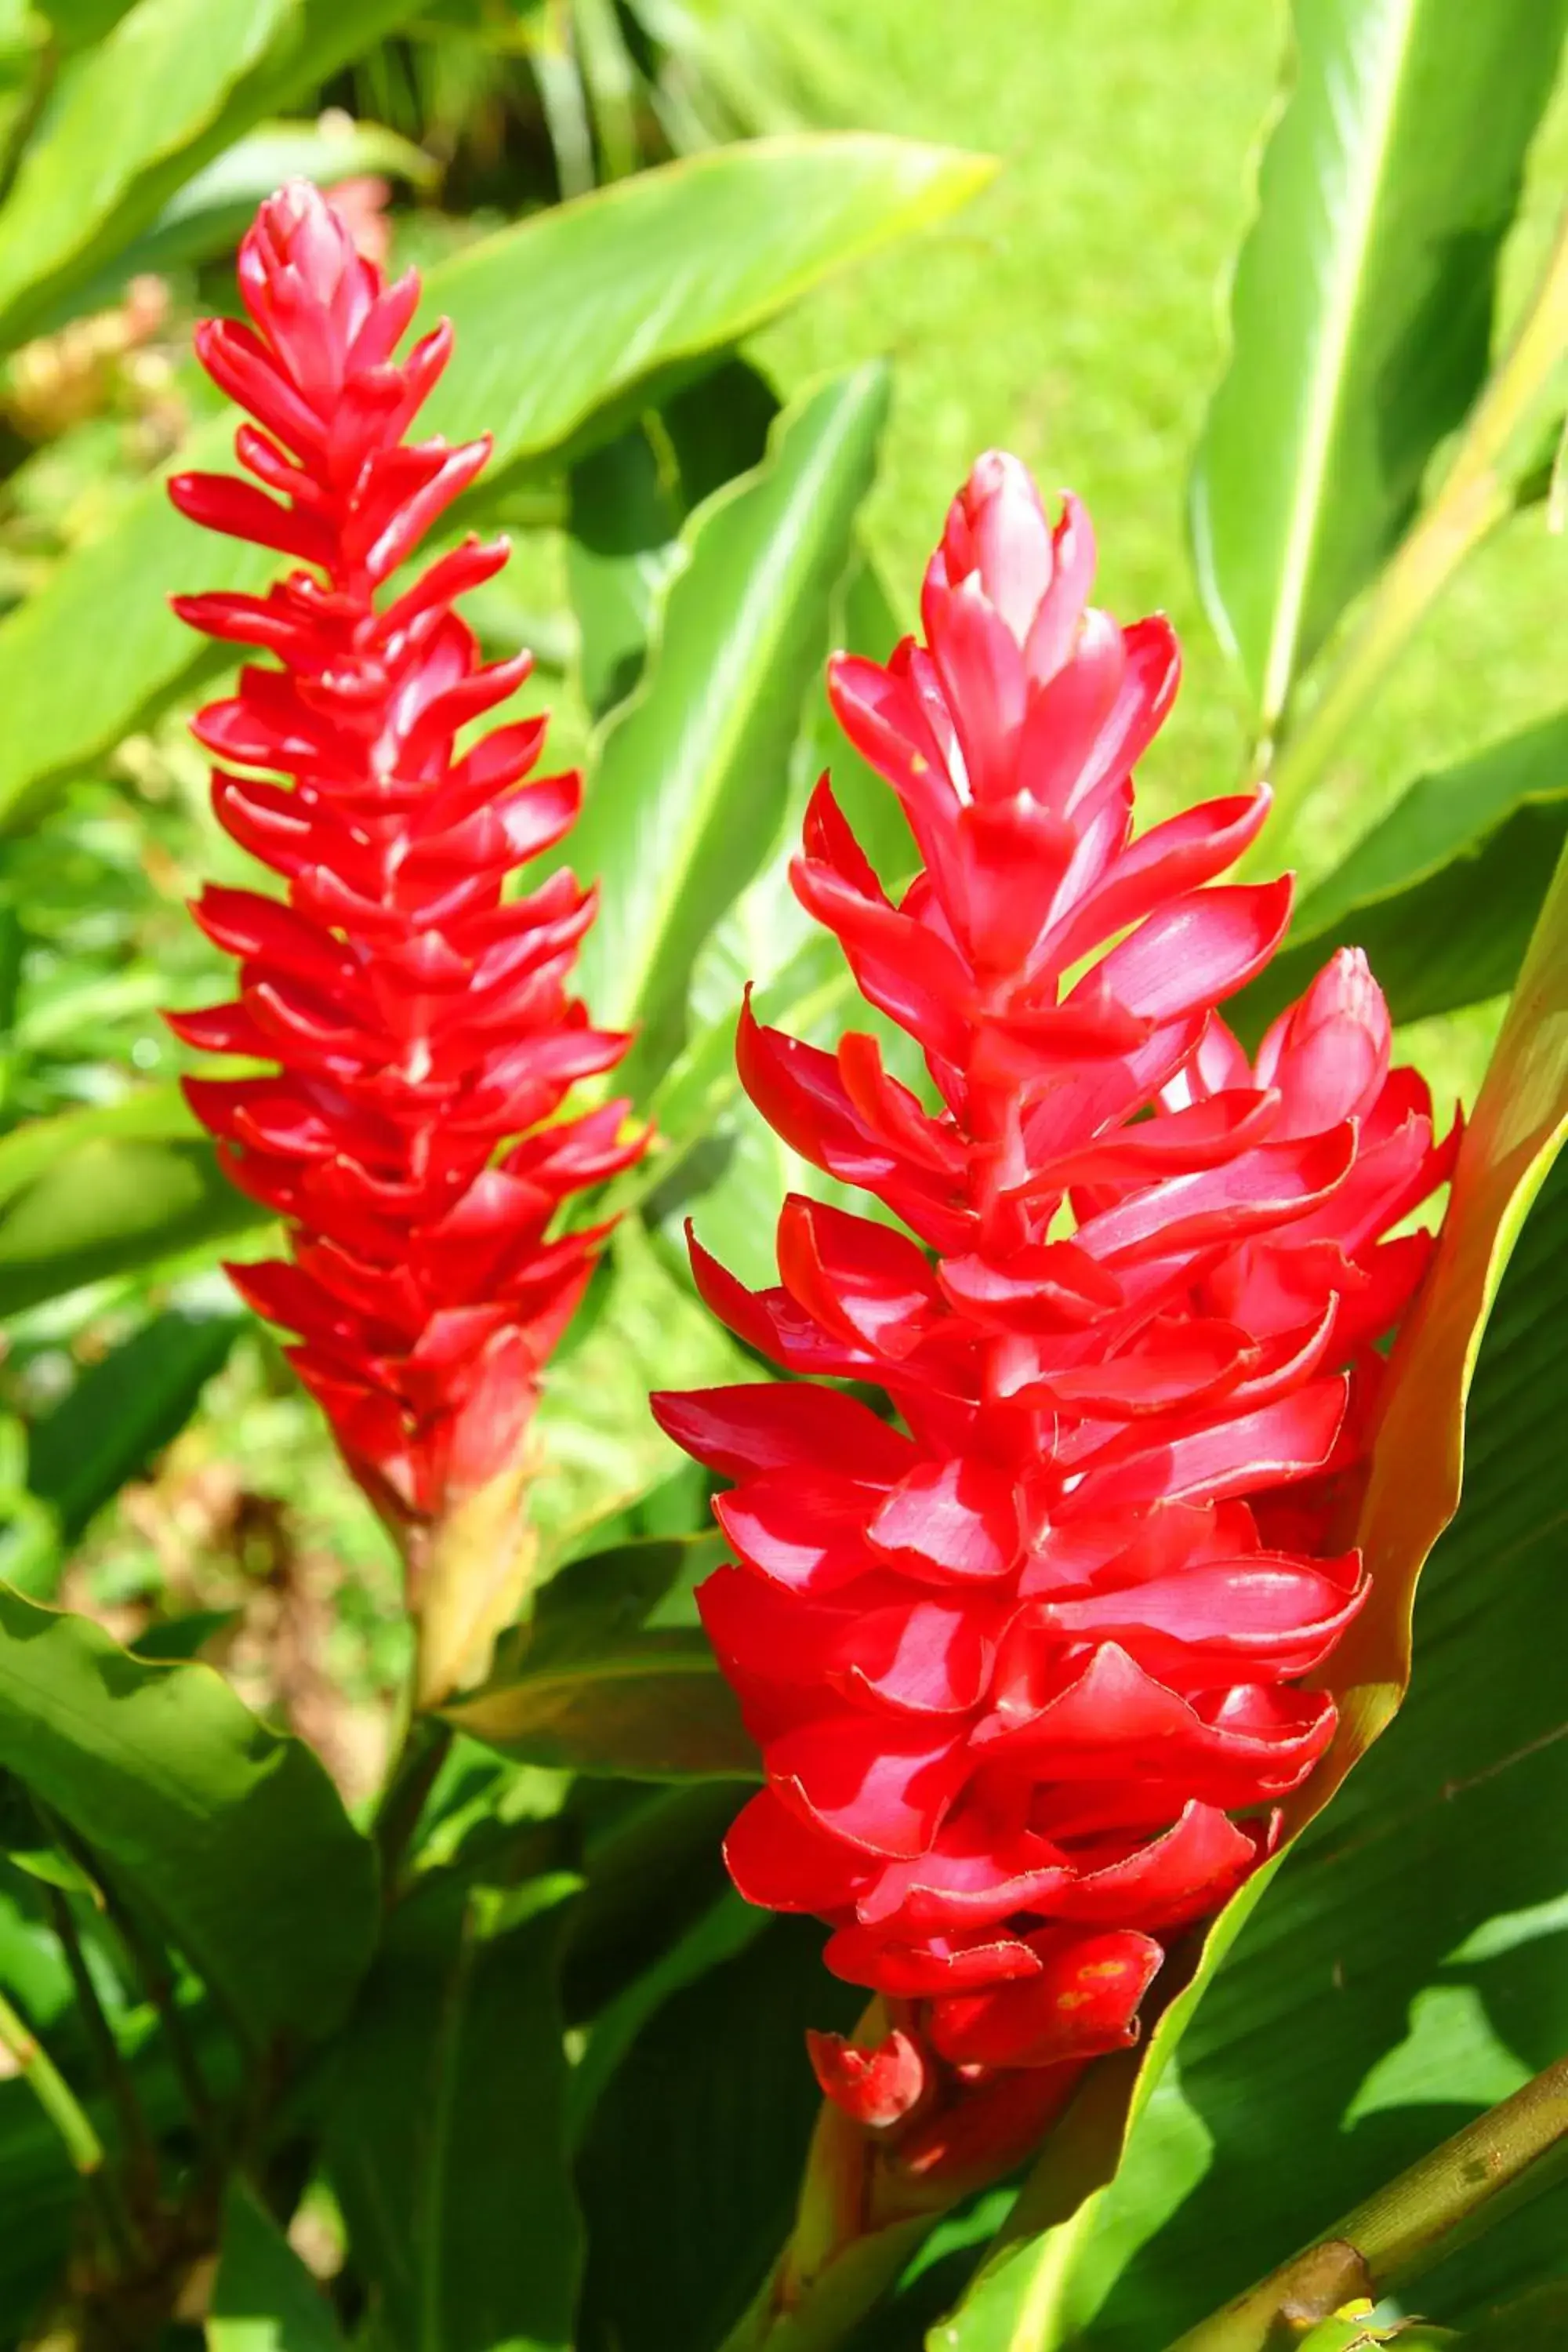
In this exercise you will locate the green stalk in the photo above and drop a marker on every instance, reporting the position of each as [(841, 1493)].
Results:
[(71, 2121), (1477, 494), (150, 1965), (141, 2152), (402, 1802), (1456, 2193)]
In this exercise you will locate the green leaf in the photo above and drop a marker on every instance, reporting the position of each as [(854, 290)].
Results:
[(562, 323), (654, 1868), (596, 1601), (628, 502), (691, 2161), (718, 1936), (75, 23), (123, 1410), (1362, 309), (446, 2127), (689, 786), (653, 1706), (211, 211), (1536, 2323), (307, 42), (229, 1833), (108, 1206), (800, 978), (143, 94), (623, 522), (1437, 1831), (1444, 893), (153, 1114), (264, 2299)]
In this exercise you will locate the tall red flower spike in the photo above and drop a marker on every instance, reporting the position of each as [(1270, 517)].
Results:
[(1026, 1662), (418, 1018)]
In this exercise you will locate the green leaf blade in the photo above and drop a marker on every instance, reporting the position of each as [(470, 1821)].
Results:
[(1444, 893), (562, 321), (264, 2299), (1362, 306), (229, 1833), (446, 2138), (653, 1706), (148, 88), (109, 1205), (690, 783)]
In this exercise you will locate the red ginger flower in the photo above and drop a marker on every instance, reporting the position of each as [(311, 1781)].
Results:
[(1026, 1664), (418, 1018)]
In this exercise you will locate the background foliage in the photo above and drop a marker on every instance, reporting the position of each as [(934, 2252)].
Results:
[(731, 396)]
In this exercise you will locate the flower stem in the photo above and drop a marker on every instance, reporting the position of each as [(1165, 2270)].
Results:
[(1477, 494), (72, 2122), (1494, 2164)]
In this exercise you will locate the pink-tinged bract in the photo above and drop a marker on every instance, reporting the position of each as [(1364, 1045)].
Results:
[(1029, 1653), (417, 1019)]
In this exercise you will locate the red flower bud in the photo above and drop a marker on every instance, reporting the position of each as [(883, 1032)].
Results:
[(418, 1020), (1024, 1658)]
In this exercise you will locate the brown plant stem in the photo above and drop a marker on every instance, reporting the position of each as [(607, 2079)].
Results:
[(1456, 2193)]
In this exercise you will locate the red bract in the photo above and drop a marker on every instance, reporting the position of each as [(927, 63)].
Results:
[(418, 1017), (1026, 1664)]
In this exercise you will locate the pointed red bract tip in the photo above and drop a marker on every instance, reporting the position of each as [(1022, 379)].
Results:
[(418, 1018), (1026, 1677)]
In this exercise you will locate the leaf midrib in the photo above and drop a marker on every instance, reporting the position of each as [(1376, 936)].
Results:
[(1326, 377), (736, 711)]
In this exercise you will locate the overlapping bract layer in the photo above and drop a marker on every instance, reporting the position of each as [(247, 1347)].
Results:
[(1026, 1664), (418, 1018)]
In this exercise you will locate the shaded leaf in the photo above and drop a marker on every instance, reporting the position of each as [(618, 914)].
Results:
[(445, 2129), (596, 1600), (124, 1409), (230, 1835), (653, 275), (689, 783), (628, 502), (264, 2299), (719, 1935), (691, 2162), (654, 1872), (1443, 893), (40, 2195), (1362, 308), (1536, 2323), (653, 1706)]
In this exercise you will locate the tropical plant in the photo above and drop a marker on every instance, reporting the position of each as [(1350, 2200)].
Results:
[(454, 1814)]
